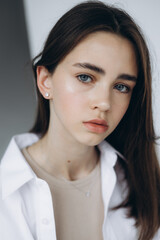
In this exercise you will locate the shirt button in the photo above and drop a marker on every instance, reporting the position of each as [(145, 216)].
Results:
[(45, 221)]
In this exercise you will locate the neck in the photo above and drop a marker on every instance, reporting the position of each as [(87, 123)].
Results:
[(63, 158)]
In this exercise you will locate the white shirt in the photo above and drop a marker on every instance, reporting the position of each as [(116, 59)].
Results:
[(26, 209)]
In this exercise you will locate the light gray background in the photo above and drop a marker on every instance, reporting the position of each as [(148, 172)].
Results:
[(17, 98)]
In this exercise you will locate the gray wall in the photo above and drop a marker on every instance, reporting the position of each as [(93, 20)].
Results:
[(17, 100)]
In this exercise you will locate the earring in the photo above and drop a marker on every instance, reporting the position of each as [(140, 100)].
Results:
[(46, 94)]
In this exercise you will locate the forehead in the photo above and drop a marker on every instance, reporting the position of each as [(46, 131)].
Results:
[(104, 49), (104, 40)]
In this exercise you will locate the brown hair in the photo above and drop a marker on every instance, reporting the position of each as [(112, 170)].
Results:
[(134, 136)]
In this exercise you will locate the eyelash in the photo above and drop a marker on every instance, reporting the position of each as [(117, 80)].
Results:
[(127, 88), (84, 75)]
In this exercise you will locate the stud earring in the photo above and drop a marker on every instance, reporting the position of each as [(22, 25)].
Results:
[(46, 94)]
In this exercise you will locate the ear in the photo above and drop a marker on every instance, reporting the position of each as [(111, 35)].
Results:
[(44, 82)]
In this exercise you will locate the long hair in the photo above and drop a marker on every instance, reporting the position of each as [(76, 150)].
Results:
[(134, 136)]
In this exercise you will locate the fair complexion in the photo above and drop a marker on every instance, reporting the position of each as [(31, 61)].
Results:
[(89, 93)]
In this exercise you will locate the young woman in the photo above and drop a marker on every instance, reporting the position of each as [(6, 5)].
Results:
[(88, 168)]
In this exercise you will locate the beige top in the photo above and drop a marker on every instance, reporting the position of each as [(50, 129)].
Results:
[(78, 205)]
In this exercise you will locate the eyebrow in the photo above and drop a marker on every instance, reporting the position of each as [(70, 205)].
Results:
[(91, 67), (101, 71), (127, 77)]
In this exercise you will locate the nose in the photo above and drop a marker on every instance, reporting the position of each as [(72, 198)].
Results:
[(101, 101)]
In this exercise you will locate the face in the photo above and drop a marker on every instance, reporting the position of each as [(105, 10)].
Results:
[(91, 88)]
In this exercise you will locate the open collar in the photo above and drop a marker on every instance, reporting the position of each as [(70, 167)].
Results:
[(15, 171), (109, 153)]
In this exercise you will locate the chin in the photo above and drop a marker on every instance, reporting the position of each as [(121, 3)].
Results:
[(94, 141)]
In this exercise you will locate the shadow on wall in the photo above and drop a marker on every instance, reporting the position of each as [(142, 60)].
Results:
[(17, 95)]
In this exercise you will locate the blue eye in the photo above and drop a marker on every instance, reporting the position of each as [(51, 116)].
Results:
[(122, 88), (84, 78)]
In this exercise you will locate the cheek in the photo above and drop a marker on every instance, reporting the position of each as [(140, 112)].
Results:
[(120, 108), (69, 103)]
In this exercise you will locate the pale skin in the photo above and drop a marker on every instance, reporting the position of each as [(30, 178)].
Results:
[(94, 81)]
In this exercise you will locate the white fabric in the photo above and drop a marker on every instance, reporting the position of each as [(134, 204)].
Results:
[(26, 210)]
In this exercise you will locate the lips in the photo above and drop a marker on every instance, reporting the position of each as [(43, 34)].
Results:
[(96, 125)]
